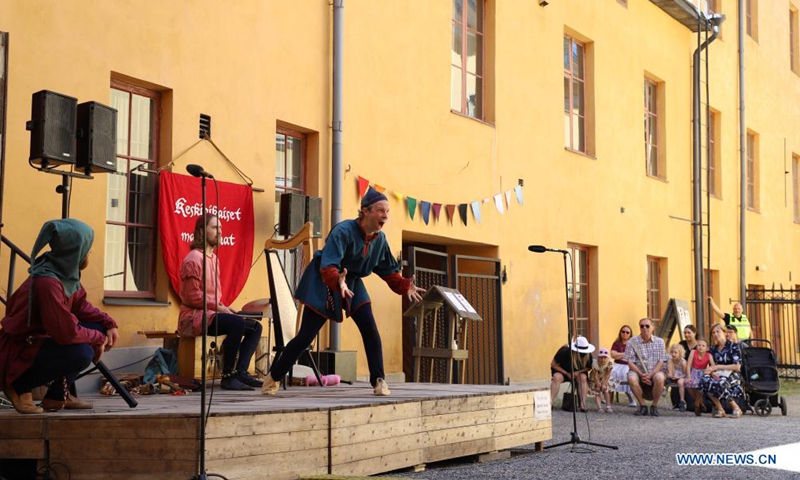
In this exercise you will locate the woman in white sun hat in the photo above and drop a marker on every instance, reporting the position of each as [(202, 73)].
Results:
[(579, 356)]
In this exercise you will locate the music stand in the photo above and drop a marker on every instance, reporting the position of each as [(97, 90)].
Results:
[(574, 438)]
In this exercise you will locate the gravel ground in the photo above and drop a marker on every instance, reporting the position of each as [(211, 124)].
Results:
[(647, 447)]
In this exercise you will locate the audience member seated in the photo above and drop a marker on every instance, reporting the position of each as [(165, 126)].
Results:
[(576, 358), (722, 381), (645, 355), (696, 366), (619, 374), (676, 372), (599, 380)]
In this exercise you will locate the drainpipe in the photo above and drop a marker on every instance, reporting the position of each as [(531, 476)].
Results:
[(715, 21), (742, 162), (337, 172)]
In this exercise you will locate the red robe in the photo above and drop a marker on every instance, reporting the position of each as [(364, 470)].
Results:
[(54, 315)]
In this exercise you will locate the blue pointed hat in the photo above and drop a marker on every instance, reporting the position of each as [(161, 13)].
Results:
[(371, 197)]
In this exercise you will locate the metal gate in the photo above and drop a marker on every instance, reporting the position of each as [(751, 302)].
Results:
[(774, 315), (478, 279), (430, 268)]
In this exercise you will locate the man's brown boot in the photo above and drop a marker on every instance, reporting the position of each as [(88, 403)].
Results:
[(22, 403)]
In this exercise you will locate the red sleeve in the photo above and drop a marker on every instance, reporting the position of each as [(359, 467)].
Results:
[(397, 283), (88, 313), (330, 275), (57, 319), (192, 294), (192, 285)]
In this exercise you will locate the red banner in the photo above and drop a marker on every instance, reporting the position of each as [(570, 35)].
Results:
[(180, 204)]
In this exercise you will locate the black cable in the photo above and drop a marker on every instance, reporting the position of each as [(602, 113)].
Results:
[(216, 324), (47, 471), (93, 369)]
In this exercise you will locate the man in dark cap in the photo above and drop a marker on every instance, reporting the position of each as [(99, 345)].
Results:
[(50, 331), (332, 284)]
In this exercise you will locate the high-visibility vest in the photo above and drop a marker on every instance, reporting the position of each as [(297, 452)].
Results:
[(742, 325)]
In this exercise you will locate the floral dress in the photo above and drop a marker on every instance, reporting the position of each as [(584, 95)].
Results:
[(729, 387)]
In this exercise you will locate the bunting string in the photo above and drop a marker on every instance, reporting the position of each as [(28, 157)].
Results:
[(502, 202)]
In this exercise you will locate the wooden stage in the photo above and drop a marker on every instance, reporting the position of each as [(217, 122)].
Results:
[(340, 430)]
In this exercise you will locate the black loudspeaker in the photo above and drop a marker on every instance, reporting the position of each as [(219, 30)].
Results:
[(292, 213), (314, 215), (97, 134), (52, 127)]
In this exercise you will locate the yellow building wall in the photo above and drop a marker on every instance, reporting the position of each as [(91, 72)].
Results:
[(256, 64)]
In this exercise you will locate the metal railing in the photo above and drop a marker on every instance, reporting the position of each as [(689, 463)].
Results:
[(774, 314), (12, 266)]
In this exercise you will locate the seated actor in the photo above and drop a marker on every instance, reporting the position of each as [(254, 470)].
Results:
[(51, 332), (241, 334)]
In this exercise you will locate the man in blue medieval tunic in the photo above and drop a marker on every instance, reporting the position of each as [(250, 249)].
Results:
[(333, 284)]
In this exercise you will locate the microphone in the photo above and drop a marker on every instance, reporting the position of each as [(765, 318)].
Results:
[(542, 249), (197, 171)]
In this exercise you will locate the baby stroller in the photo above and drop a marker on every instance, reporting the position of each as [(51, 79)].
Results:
[(760, 377)]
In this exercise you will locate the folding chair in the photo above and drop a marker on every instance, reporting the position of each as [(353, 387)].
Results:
[(286, 316)]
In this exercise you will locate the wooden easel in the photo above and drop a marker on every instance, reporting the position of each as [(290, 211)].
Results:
[(459, 312)]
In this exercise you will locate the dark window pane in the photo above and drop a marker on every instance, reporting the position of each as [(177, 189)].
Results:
[(474, 96), (456, 46), (294, 155), (567, 89), (475, 15), (140, 251), (114, 261), (474, 53), (577, 61), (458, 9), (577, 98), (455, 88)]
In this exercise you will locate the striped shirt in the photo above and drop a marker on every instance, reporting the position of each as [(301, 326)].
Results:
[(651, 352)]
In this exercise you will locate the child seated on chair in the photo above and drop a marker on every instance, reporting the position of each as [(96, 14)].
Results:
[(599, 377), (676, 371), (699, 360)]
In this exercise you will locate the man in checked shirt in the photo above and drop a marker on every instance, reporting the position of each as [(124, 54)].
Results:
[(646, 355)]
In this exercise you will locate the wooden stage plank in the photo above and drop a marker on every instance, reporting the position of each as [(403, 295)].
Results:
[(122, 428), (124, 448), (373, 450), (254, 424), (442, 406), (17, 426), (385, 463), (252, 445), (372, 432), (33, 448), (377, 414), (105, 469), (273, 465), (447, 451), (455, 420)]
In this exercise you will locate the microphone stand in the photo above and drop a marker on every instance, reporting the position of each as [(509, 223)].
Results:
[(201, 466), (574, 438)]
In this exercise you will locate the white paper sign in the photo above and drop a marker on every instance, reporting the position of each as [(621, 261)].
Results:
[(465, 303), (541, 405)]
